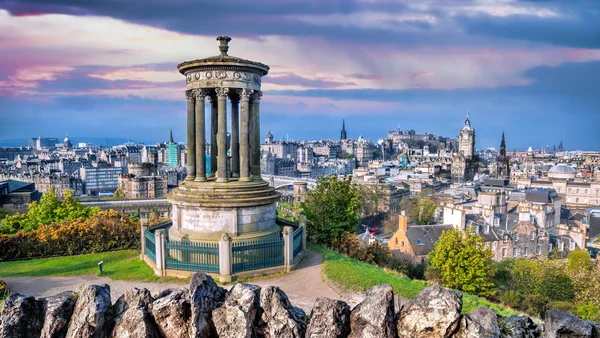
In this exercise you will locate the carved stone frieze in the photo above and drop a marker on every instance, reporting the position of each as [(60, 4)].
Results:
[(203, 75)]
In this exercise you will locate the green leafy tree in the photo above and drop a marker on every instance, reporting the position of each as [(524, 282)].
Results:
[(462, 262), (421, 210), (331, 208), (579, 260)]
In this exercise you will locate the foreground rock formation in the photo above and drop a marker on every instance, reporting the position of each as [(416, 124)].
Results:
[(249, 311)]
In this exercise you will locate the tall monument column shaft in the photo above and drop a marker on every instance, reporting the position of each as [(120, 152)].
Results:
[(191, 136), (255, 136), (244, 137), (213, 135), (235, 136), (222, 135), (200, 136)]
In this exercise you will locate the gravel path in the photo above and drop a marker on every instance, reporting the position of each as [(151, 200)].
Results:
[(303, 285)]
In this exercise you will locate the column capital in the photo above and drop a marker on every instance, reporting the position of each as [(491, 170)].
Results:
[(222, 92), (199, 94), (257, 95), (246, 93), (190, 96)]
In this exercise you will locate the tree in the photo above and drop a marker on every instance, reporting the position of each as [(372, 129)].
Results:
[(579, 260), (462, 262), (331, 208), (119, 194), (421, 210)]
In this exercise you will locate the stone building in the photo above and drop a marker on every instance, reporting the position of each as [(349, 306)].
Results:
[(142, 181), (17, 195), (465, 162), (415, 241), (501, 165)]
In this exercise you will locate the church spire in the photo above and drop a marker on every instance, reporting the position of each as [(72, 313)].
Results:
[(502, 146), (343, 133), (171, 136)]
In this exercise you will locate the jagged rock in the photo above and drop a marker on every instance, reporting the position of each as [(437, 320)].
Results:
[(206, 296), (57, 314), (172, 311), (329, 318), (22, 316), (518, 327), (595, 329), (479, 324), (133, 316), (279, 318), (433, 313), (563, 325), (238, 316), (374, 316), (92, 316)]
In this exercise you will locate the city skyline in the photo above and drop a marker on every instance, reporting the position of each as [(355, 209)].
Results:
[(523, 67)]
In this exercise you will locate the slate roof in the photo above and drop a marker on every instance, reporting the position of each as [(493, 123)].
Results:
[(17, 186), (422, 238), (594, 229)]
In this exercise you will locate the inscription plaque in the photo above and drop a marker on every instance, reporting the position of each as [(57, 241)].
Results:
[(206, 220)]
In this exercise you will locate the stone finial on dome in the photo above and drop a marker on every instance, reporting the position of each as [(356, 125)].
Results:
[(224, 44)]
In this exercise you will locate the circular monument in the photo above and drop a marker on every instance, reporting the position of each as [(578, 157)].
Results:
[(232, 198)]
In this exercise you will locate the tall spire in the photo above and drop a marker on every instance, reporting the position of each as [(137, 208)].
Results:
[(343, 133), (171, 136), (503, 146)]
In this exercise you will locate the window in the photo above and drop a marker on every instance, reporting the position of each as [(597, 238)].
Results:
[(525, 251), (494, 245), (577, 200), (496, 221), (569, 190), (396, 241), (420, 242), (532, 237), (561, 246), (577, 191), (571, 245), (538, 250), (550, 247), (516, 237), (515, 252), (503, 252), (402, 244), (487, 229)]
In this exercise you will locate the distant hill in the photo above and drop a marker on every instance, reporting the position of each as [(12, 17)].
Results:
[(100, 141)]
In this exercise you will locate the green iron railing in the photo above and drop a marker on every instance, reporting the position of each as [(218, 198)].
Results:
[(150, 246), (254, 255), (192, 256), (297, 237)]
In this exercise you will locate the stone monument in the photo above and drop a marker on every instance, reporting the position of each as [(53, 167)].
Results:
[(232, 199)]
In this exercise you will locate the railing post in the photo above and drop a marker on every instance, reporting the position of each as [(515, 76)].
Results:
[(288, 247), (302, 221), (159, 252), (225, 258), (143, 228)]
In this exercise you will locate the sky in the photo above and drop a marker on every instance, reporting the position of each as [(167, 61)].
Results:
[(530, 68)]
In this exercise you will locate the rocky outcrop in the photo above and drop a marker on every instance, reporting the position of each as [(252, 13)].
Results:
[(329, 318), (206, 296), (57, 314), (133, 315), (480, 323), (374, 316), (433, 313), (238, 316), (518, 327), (563, 325), (172, 311), (247, 311), (92, 316), (21, 316), (279, 319)]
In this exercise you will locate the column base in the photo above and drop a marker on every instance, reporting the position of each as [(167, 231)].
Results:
[(200, 179), (244, 179), (222, 180), (189, 178)]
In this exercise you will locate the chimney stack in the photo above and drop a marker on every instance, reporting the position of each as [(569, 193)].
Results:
[(402, 223)]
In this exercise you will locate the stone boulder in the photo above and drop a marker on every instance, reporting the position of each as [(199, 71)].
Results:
[(206, 296), (563, 325), (595, 329), (172, 311), (279, 319), (238, 316), (518, 327), (57, 314), (374, 317), (93, 315), (480, 323), (21, 316), (133, 315), (329, 318), (433, 313)]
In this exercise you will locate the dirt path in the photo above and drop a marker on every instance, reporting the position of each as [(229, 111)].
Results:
[(303, 285)]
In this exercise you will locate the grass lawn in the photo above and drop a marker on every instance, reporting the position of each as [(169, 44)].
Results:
[(357, 276), (118, 265)]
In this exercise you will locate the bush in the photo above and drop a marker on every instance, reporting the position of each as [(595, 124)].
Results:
[(589, 311), (105, 231), (3, 289), (564, 306)]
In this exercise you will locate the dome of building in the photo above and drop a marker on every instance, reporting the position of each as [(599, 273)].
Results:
[(561, 170), (67, 142)]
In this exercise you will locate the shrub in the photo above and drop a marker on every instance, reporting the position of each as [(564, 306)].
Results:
[(589, 311), (3, 289), (105, 231)]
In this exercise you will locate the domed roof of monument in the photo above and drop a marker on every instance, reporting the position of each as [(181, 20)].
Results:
[(223, 59), (67, 139), (562, 168)]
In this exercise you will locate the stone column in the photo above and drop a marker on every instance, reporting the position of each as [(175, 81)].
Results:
[(235, 135), (213, 134), (191, 136), (225, 258), (302, 221), (222, 136), (288, 247), (244, 136), (255, 136), (200, 136), (143, 228), (159, 252)]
